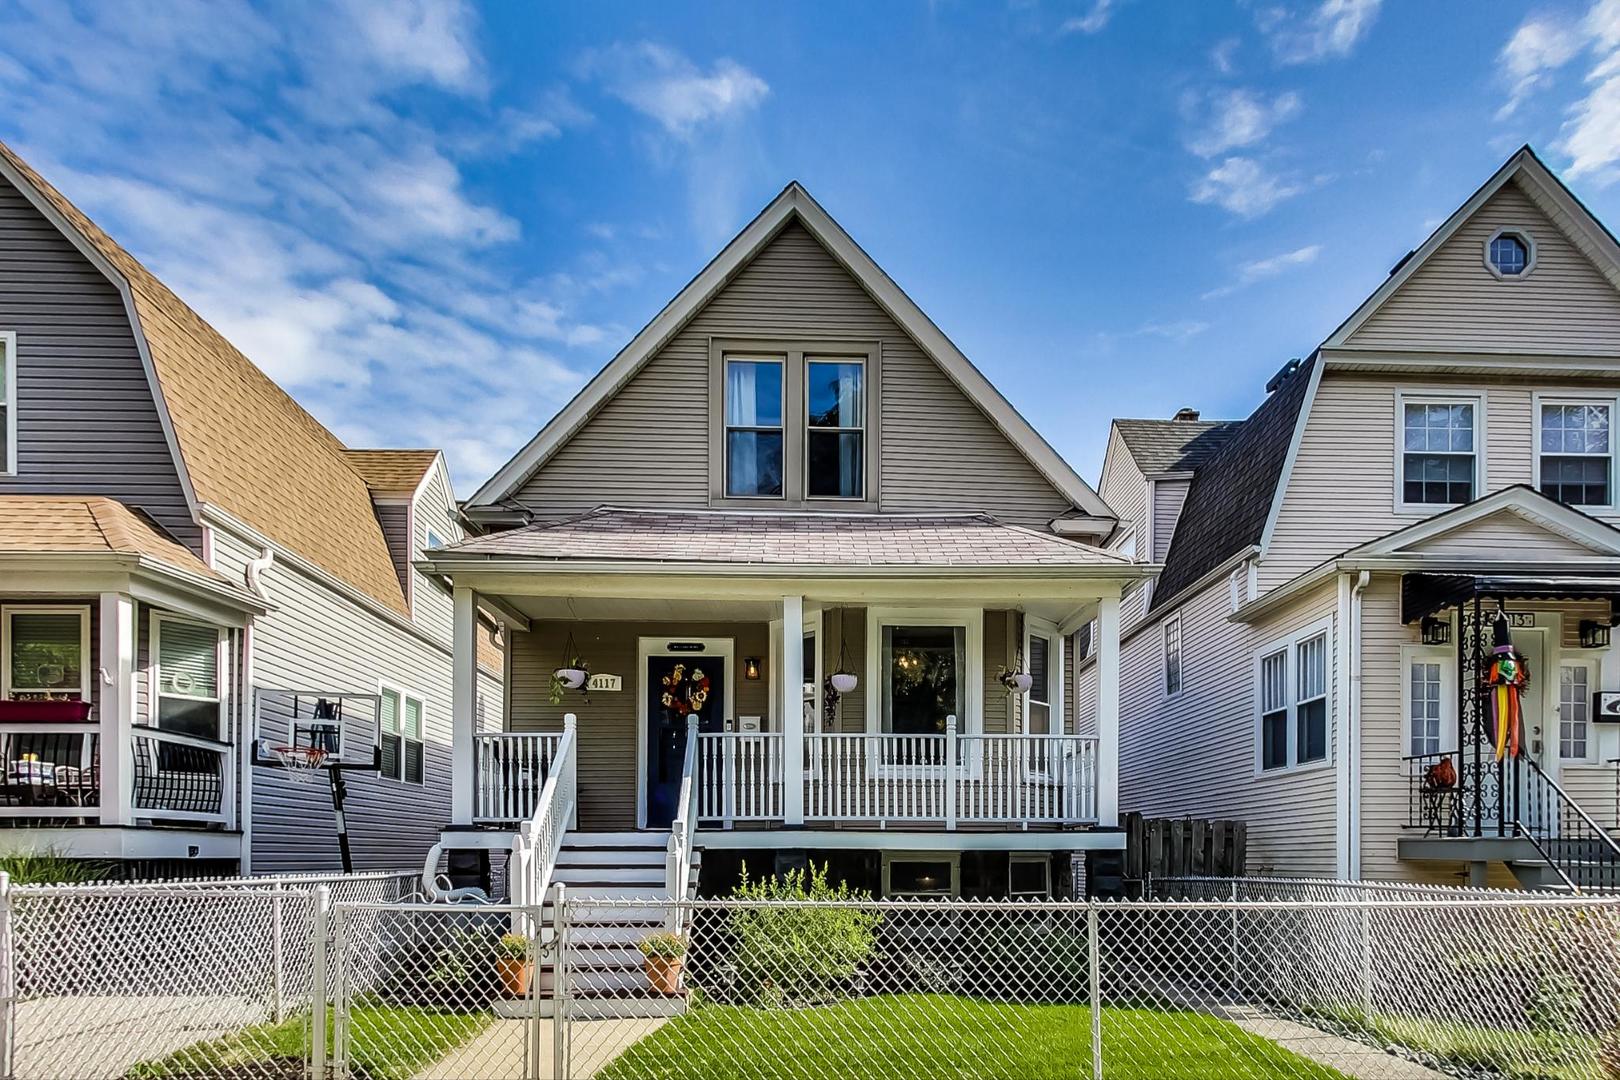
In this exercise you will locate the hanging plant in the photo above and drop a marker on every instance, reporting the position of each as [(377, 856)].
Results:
[(842, 680), (573, 675), (1018, 682)]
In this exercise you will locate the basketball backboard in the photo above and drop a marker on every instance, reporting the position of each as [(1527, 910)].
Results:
[(323, 728)]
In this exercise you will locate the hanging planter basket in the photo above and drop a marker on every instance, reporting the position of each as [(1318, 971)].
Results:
[(573, 675), (1018, 682), (843, 682), (572, 678)]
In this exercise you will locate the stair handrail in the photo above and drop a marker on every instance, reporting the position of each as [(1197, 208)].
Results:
[(1543, 839), (678, 864), (540, 839)]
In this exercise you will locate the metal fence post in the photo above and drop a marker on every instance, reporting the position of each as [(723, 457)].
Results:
[(338, 963), (8, 983), (1095, 961), (559, 984), (534, 919), (1366, 963), (1234, 964), (320, 905), (278, 954)]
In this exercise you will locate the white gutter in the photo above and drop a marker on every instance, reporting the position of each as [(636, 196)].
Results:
[(1353, 729)]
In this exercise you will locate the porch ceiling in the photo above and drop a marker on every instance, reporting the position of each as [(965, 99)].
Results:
[(717, 609)]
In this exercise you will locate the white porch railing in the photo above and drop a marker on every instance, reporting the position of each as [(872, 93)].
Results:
[(181, 777), (678, 866), (950, 779), (509, 772), (540, 839)]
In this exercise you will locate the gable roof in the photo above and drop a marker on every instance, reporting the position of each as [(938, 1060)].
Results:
[(1167, 446), (392, 470), (1519, 501), (1543, 187), (793, 204), (243, 444), (788, 539), (1230, 499)]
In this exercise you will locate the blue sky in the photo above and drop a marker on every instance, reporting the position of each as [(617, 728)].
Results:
[(432, 221)]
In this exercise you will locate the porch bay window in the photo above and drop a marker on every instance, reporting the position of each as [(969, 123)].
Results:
[(922, 673), (186, 673), (47, 652)]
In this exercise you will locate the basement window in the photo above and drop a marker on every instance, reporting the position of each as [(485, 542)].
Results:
[(915, 877)]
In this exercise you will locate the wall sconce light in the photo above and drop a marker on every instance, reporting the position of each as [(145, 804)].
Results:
[(1594, 634), (751, 668), (1436, 631)]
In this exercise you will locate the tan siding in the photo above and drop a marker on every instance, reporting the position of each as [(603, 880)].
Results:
[(1195, 754), (1168, 495), (1455, 304), (1125, 490), (648, 445), (430, 597), (1502, 533)]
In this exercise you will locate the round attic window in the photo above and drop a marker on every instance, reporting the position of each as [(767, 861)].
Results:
[(1510, 254)]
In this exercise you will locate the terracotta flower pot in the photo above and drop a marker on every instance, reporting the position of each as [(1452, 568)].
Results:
[(516, 974), (664, 972)]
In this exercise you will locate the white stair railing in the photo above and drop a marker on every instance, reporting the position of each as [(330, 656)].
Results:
[(678, 866), (540, 838)]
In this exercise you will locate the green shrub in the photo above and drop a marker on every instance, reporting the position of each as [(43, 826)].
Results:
[(513, 946), (792, 956), (663, 946), (49, 867)]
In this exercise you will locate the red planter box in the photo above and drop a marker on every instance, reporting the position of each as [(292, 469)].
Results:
[(44, 712)]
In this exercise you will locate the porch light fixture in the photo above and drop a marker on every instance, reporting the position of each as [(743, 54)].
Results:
[(1594, 634), (751, 668), (1436, 631)]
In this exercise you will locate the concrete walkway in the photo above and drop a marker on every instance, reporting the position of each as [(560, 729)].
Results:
[(497, 1053), (68, 1038), (1347, 1056)]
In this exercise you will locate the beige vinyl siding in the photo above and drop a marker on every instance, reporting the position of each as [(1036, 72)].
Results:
[(1194, 755), (1502, 533), (1168, 495), (395, 519), (1125, 490), (649, 444), (1596, 788), (1454, 304), (87, 423), (1084, 718), (431, 604), (1341, 492)]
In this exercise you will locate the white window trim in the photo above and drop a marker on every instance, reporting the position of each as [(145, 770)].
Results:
[(1024, 858), (1526, 238), (1446, 657), (85, 665), (726, 427), (1173, 620), (1593, 729), (1437, 396), (155, 692), (972, 620), (421, 700), (8, 368), (952, 857), (1035, 626), (1291, 642), (1537, 400), (834, 358)]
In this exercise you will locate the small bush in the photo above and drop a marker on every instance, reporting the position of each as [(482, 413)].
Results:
[(513, 946), (800, 956), (662, 946), (49, 867)]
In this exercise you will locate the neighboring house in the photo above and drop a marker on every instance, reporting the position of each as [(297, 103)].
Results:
[(1333, 566), (186, 558), (789, 476)]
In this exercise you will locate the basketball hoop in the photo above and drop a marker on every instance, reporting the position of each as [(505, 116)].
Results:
[(300, 762)]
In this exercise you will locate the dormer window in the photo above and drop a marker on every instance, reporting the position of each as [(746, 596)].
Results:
[(1510, 253)]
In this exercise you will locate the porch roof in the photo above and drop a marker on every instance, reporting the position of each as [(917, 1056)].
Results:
[(1425, 593), (788, 539)]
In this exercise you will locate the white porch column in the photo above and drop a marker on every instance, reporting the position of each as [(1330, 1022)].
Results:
[(1108, 712), (116, 676), (464, 711), (791, 663)]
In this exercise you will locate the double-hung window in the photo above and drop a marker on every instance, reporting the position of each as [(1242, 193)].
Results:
[(1575, 741), (186, 672), (753, 437), (1439, 451), (46, 652), (400, 735), (1172, 655), (1576, 452), (1293, 700), (8, 403), (835, 428)]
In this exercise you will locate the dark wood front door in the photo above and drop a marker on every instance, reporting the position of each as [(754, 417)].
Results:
[(676, 687)]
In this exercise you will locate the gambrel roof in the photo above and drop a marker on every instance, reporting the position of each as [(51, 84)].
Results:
[(794, 204)]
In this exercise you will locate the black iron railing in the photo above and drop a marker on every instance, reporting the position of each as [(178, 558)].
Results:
[(54, 770), (1582, 852), (179, 776)]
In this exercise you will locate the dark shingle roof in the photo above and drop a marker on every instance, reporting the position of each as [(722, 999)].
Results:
[(789, 539), (1161, 446), (1231, 493)]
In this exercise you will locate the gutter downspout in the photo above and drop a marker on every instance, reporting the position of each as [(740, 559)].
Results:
[(1353, 726)]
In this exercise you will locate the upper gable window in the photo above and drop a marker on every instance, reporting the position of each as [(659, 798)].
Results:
[(1510, 254), (835, 429), (754, 410), (1439, 451), (1576, 450)]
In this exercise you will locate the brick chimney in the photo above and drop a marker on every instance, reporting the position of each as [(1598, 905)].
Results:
[(1185, 414)]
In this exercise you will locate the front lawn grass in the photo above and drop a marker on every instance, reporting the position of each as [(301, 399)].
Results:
[(939, 1036), (1515, 1054), (387, 1042)]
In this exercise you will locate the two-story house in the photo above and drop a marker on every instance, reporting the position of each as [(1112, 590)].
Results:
[(822, 579), (1438, 478), (194, 570)]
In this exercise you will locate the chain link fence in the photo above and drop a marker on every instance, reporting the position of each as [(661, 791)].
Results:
[(1289, 979)]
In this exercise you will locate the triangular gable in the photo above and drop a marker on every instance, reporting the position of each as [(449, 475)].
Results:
[(1442, 296), (1514, 523), (793, 205)]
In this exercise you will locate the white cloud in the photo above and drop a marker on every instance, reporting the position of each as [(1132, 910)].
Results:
[(1178, 330), (666, 86), (1231, 119), (422, 40), (1261, 269), (1223, 56), (1540, 46), (1244, 187), (1092, 22), (1591, 135), (1330, 30)]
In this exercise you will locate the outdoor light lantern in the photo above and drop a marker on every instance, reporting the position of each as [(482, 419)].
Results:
[(1594, 634), (1436, 631), (751, 668)]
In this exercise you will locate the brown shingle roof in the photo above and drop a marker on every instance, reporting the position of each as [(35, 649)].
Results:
[(79, 524), (1161, 446), (248, 447), (391, 470), (789, 539)]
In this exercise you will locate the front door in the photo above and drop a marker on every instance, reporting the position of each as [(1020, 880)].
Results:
[(676, 687)]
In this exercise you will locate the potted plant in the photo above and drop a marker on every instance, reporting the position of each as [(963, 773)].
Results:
[(1018, 682), (664, 953), (45, 711), (574, 673), (514, 962)]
